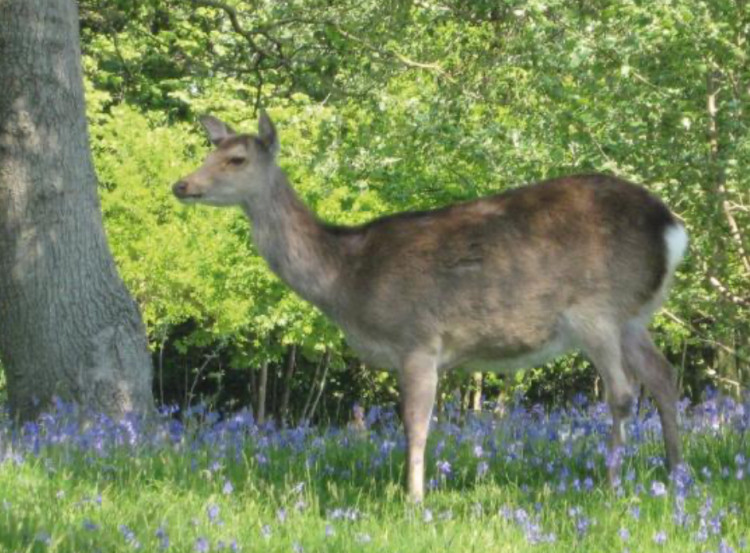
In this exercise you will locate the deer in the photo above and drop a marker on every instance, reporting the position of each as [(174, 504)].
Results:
[(497, 283)]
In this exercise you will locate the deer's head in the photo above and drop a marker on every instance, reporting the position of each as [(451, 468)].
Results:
[(237, 170)]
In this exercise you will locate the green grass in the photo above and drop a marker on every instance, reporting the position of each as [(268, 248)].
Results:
[(67, 498)]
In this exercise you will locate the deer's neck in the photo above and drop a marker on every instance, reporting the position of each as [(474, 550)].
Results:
[(295, 244)]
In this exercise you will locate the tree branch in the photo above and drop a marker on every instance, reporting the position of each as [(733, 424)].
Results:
[(234, 21), (408, 62), (712, 91)]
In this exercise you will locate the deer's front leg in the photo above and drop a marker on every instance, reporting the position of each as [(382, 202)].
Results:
[(418, 383)]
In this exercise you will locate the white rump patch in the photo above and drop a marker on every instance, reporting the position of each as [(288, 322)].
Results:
[(677, 241)]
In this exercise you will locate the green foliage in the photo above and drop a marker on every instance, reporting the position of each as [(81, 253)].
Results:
[(386, 106)]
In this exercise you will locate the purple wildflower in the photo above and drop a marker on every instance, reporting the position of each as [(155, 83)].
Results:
[(444, 468), (90, 526), (161, 535), (658, 489), (660, 538), (201, 545), (212, 511), (281, 515), (129, 536), (227, 489)]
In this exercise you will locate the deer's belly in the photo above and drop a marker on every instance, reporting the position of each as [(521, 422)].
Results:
[(508, 360)]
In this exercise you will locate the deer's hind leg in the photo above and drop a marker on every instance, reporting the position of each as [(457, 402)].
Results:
[(600, 341), (658, 376)]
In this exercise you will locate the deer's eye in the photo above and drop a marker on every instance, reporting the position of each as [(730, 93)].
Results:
[(236, 161)]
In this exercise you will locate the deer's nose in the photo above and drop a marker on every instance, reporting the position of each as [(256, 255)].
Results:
[(180, 188)]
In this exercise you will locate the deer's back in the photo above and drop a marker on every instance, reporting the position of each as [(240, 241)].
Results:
[(493, 276)]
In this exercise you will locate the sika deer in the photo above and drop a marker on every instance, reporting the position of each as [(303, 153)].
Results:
[(500, 282)]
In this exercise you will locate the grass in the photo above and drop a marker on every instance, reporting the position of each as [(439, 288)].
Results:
[(527, 481)]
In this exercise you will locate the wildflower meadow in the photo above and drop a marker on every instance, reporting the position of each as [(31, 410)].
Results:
[(514, 479)]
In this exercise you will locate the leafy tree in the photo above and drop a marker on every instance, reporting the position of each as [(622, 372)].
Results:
[(386, 106)]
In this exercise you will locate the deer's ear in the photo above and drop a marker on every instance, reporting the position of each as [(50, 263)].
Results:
[(267, 133), (217, 130)]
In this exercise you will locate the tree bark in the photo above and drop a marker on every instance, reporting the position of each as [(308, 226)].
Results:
[(68, 326)]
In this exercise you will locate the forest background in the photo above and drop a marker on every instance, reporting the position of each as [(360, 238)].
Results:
[(385, 106)]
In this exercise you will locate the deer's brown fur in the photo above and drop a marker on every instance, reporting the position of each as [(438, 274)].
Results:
[(496, 283)]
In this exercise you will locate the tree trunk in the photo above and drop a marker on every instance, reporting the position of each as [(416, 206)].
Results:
[(321, 386), (68, 326), (291, 362), (476, 399), (311, 392), (260, 416)]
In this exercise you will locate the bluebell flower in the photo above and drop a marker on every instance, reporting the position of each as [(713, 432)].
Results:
[(90, 526), (161, 535), (228, 488), (444, 467), (281, 515), (129, 536), (201, 545), (658, 489)]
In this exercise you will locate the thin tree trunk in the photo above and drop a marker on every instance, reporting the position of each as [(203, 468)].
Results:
[(253, 389), (291, 363), (311, 392), (162, 343), (262, 388), (321, 386), (476, 402), (275, 376), (440, 404), (68, 326)]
